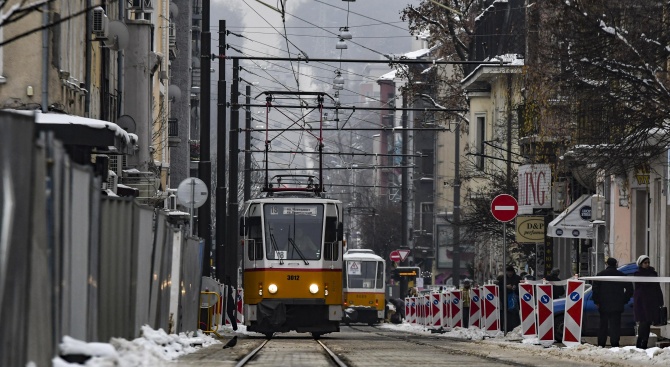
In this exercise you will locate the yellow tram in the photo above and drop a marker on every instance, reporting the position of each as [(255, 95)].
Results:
[(292, 261), (364, 299)]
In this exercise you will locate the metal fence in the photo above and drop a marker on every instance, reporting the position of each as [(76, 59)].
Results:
[(75, 262)]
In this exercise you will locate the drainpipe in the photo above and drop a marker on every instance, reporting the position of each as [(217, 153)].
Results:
[(45, 58), (87, 81)]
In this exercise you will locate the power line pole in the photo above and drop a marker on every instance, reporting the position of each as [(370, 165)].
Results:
[(233, 176), (221, 160), (205, 165)]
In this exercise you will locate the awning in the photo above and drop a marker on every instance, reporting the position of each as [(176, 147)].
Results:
[(574, 222)]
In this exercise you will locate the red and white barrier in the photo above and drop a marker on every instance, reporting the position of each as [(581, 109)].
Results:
[(427, 316), (545, 314), (572, 323), (412, 311), (407, 316), (456, 309), (446, 314), (240, 306), (475, 307), (527, 309), (491, 314), (436, 310)]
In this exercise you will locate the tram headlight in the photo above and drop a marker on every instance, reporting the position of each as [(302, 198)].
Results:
[(272, 288), (313, 289)]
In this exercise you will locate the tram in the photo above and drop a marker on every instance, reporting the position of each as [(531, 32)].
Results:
[(364, 300), (292, 269)]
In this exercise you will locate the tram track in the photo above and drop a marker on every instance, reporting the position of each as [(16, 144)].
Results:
[(250, 358)]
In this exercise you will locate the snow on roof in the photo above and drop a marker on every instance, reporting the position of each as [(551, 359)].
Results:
[(62, 118), (505, 60), (489, 8), (388, 76)]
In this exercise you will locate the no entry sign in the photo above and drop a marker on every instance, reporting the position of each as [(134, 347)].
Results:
[(504, 207)]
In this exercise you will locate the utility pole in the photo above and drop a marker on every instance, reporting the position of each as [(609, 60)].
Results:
[(456, 276), (221, 159), (405, 241), (233, 176), (247, 146), (205, 165)]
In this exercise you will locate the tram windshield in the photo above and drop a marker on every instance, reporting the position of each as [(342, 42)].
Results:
[(365, 274), (293, 231)]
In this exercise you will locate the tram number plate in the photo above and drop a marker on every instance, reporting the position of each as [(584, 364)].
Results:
[(293, 277)]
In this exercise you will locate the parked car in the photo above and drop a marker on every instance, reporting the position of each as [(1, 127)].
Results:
[(591, 317)]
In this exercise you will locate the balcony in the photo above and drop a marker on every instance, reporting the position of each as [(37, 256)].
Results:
[(194, 150)]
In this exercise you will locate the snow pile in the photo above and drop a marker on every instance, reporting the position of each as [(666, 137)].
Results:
[(152, 348), (586, 352)]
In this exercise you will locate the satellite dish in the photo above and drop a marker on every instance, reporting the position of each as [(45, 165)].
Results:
[(127, 123), (174, 11), (174, 93), (117, 35), (192, 192)]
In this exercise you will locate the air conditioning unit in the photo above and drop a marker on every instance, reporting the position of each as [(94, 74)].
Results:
[(112, 181), (100, 23)]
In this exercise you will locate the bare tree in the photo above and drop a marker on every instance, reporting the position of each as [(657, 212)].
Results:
[(597, 76)]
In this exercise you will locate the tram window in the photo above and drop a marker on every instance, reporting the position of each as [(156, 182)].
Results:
[(331, 250), (255, 236), (380, 275)]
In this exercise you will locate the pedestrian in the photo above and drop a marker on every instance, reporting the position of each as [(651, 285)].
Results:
[(465, 301), (558, 290), (647, 301), (509, 297), (610, 298)]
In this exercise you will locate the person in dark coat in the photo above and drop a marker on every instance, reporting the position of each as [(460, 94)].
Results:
[(647, 300), (557, 290), (512, 316), (610, 298)]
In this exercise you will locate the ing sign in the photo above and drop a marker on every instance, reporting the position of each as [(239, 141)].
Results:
[(534, 187)]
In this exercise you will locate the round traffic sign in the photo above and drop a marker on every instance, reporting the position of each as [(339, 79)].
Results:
[(192, 192), (504, 207), (395, 256)]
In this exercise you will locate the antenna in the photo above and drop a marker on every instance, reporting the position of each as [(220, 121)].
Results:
[(117, 35)]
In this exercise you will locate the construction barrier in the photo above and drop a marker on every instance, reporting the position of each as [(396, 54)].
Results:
[(545, 314), (527, 309), (240, 306), (209, 316), (456, 309), (475, 307), (491, 313), (427, 316), (446, 314), (436, 310), (572, 323), (412, 311), (407, 315)]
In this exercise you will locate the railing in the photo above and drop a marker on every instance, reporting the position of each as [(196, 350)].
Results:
[(173, 127)]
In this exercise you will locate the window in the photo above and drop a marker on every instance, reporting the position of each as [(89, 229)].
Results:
[(255, 235), (480, 136)]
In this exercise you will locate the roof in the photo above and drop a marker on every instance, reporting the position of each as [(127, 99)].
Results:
[(509, 64)]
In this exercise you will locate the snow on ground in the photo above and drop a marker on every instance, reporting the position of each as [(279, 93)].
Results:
[(156, 347), (585, 352)]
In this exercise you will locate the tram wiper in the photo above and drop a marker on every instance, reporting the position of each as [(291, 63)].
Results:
[(290, 240), (273, 241)]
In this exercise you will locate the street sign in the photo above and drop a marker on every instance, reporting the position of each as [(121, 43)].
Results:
[(504, 207), (403, 254), (395, 256)]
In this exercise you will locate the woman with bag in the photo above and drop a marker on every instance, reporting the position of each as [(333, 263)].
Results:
[(647, 301)]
